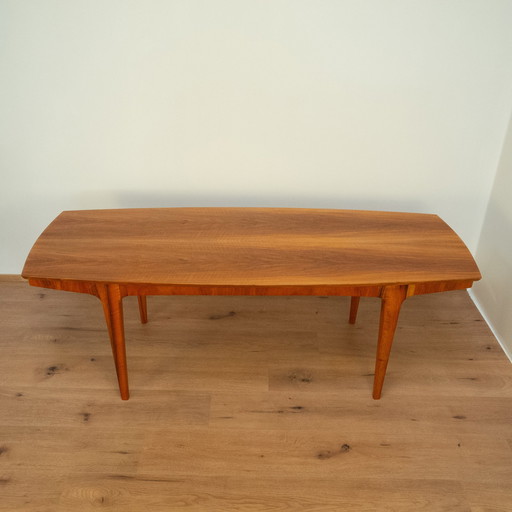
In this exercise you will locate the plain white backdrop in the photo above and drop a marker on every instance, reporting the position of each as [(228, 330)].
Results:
[(376, 104)]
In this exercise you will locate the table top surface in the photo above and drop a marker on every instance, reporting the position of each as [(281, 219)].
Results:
[(249, 247)]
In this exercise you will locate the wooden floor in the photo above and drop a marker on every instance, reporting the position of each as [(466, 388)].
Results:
[(251, 404)]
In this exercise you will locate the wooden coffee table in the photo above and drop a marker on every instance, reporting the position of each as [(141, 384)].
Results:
[(249, 251)]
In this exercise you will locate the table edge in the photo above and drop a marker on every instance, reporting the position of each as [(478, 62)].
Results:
[(362, 290)]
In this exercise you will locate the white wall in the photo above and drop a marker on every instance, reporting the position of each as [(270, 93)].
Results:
[(493, 293), (378, 104)]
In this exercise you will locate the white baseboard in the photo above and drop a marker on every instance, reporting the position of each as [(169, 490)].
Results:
[(508, 353)]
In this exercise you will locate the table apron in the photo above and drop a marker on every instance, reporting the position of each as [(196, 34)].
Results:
[(126, 289)]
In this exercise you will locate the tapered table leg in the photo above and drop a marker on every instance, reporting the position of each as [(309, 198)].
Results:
[(392, 298), (103, 295), (354, 305), (112, 301), (143, 308)]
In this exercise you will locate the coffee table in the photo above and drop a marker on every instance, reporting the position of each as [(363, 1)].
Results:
[(249, 251)]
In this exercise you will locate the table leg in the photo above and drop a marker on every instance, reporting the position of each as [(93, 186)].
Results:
[(103, 295), (354, 305), (112, 301), (392, 298), (143, 308)]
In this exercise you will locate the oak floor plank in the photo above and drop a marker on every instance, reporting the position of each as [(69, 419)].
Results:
[(303, 454), (251, 403), (38, 449), (340, 411), (78, 491), (97, 408), (489, 497)]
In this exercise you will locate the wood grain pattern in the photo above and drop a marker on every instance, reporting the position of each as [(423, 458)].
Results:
[(249, 246), (251, 403)]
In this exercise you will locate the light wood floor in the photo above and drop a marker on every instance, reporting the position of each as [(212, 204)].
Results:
[(251, 404)]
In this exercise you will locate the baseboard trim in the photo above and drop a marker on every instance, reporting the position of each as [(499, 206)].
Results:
[(503, 346)]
